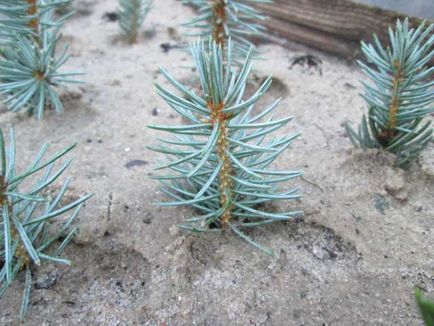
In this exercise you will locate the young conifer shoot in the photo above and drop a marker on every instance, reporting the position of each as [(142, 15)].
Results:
[(224, 19), (220, 161), (29, 64), (34, 227), (400, 93), (132, 14)]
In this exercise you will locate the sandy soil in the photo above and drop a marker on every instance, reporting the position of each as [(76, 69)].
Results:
[(366, 240)]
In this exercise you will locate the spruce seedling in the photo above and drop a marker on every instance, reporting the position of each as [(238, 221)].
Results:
[(400, 93), (220, 161), (34, 228), (29, 64), (224, 19), (426, 307), (132, 14)]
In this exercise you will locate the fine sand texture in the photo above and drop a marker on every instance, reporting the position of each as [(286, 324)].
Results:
[(366, 240)]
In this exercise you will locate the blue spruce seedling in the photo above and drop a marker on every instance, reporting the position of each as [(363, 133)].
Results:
[(400, 93), (220, 161), (132, 14), (34, 226), (224, 19), (29, 63)]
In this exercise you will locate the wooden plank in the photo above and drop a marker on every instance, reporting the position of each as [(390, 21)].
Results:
[(334, 26)]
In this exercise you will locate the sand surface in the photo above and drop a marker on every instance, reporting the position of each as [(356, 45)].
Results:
[(366, 240)]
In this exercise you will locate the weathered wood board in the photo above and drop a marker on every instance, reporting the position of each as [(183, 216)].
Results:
[(335, 26)]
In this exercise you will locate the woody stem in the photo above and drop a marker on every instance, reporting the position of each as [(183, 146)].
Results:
[(225, 180), (394, 103), (218, 22), (21, 251)]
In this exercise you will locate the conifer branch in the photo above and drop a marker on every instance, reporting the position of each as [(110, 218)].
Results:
[(224, 19), (400, 94), (32, 222), (132, 14), (29, 63), (220, 160)]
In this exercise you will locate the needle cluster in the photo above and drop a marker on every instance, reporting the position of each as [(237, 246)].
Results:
[(220, 162), (399, 94), (36, 222), (29, 63), (224, 19), (132, 14)]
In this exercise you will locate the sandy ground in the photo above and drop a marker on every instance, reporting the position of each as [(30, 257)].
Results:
[(366, 240)]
